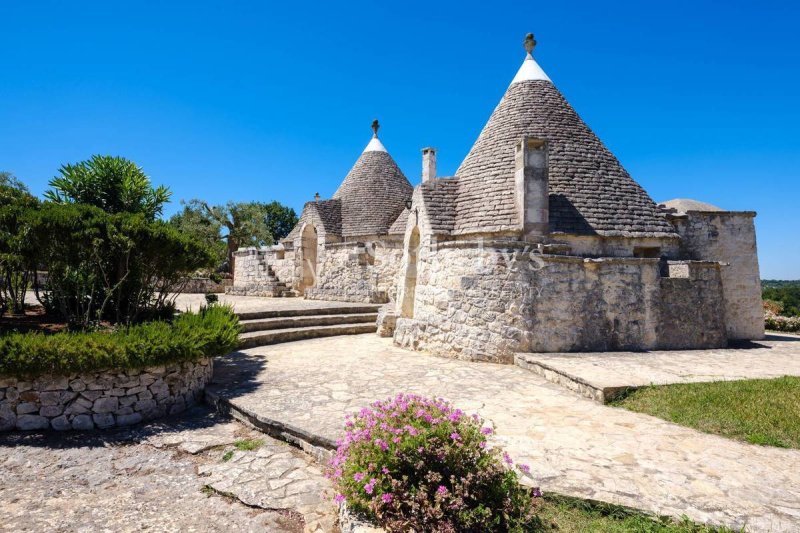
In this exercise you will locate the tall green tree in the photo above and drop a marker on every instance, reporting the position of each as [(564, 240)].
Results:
[(114, 184), (196, 223), (246, 223)]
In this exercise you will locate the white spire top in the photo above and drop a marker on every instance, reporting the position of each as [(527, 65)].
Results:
[(375, 145), (530, 69)]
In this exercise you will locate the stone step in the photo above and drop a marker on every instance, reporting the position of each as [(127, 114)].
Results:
[(310, 311), (577, 384), (275, 336), (284, 322)]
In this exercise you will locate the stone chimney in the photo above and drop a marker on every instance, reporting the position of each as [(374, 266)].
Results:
[(428, 164), (531, 186)]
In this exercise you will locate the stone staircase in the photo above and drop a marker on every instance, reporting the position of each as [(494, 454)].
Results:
[(264, 283), (260, 328)]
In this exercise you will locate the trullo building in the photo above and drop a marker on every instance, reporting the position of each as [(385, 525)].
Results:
[(541, 241)]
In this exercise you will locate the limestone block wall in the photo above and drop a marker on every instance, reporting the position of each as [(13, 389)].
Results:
[(205, 285), (728, 237), (469, 303), (488, 302), (692, 290), (386, 268), (596, 246), (358, 271), (101, 399), (251, 276)]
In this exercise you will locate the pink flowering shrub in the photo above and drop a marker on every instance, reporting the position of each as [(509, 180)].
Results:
[(781, 323), (413, 463)]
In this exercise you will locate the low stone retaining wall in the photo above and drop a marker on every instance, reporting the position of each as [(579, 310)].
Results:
[(206, 286), (101, 399)]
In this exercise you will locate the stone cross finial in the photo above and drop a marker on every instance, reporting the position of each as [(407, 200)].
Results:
[(375, 127), (530, 43)]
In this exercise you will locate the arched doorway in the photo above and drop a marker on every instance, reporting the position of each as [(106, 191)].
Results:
[(410, 285), (309, 255)]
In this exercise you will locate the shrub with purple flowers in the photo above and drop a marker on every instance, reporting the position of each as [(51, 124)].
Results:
[(413, 463)]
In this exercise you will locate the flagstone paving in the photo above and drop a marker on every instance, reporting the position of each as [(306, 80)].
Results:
[(775, 356), (575, 446), (165, 476)]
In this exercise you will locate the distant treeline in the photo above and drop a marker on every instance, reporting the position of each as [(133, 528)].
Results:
[(777, 283), (784, 292)]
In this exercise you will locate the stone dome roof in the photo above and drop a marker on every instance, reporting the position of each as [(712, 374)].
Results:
[(374, 192), (590, 191), (684, 205)]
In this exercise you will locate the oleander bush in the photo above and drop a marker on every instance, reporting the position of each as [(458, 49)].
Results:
[(776, 322), (415, 464), (213, 331)]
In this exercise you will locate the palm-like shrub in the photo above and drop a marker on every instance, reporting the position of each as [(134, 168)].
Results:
[(113, 184), (415, 464)]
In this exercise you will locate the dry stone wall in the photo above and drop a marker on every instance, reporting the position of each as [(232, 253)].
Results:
[(101, 399), (692, 307), (205, 286), (358, 271), (728, 237), (487, 301), (262, 272)]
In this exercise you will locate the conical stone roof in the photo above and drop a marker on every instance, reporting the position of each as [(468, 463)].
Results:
[(590, 191), (373, 193)]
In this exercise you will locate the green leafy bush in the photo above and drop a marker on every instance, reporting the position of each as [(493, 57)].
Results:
[(17, 253), (118, 267), (191, 336), (787, 293), (415, 464)]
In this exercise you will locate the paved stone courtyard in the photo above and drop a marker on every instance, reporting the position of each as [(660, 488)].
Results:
[(172, 475), (777, 355), (165, 476), (575, 446)]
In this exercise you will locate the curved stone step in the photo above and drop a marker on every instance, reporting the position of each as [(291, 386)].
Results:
[(311, 311), (265, 324), (275, 336)]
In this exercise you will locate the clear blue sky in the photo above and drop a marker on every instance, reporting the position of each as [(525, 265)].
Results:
[(261, 101)]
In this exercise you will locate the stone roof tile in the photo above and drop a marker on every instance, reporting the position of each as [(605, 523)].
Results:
[(590, 191), (373, 194)]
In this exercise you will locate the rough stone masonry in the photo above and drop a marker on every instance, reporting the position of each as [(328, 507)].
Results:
[(542, 241), (101, 399)]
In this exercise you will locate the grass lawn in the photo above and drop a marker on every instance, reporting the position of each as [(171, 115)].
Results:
[(758, 411), (573, 515)]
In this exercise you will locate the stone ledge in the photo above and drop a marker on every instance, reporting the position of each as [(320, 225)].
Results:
[(101, 399)]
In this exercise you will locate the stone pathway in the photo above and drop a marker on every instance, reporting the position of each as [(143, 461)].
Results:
[(587, 373), (165, 476), (575, 446)]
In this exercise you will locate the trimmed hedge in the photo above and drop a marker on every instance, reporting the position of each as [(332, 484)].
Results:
[(191, 336)]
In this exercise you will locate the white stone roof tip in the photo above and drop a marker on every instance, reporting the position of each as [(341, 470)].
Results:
[(530, 71), (375, 145)]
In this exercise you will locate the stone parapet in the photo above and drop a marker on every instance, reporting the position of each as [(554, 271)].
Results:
[(102, 399)]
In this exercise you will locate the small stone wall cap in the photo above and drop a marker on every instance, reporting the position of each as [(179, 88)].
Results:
[(684, 205)]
